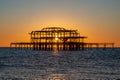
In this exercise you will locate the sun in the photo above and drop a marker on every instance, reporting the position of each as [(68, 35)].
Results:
[(56, 38)]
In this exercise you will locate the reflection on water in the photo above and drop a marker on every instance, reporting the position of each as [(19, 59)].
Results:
[(54, 77), (96, 64), (57, 77), (55, 50)]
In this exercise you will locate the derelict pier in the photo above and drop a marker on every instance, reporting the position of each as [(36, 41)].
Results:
[(51, 38)]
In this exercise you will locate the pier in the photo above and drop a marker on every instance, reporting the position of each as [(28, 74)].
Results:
[(99, 45), (51, 38)]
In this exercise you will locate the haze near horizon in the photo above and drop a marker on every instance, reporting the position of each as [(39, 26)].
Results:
[(99, 20)]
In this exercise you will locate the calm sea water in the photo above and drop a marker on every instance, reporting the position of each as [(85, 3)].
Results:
[(92, 64)]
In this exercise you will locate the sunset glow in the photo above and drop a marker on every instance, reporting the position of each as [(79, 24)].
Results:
[(56, 38), (98, 20)]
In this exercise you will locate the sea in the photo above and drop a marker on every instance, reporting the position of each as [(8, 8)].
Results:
[(88, 64)]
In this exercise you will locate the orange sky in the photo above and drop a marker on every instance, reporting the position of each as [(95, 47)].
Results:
[(98, 20)]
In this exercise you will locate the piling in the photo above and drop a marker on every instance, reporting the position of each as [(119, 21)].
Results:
[(50, 38)]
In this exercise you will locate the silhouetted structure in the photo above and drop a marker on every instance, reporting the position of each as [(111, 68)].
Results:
[(51, 38)]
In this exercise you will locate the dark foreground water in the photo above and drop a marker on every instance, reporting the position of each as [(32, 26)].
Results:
[(92, 64)]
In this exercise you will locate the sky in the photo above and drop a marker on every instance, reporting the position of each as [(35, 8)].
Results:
[(99, 20)]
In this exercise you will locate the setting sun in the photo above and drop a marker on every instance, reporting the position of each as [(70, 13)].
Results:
[(99, 20), (59, 39), (56, 38)]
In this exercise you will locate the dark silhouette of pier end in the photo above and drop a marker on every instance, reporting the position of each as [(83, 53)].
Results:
[(51, 38)]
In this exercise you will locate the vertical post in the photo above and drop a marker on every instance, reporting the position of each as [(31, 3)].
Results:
[(104, 46), (82, 43)]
